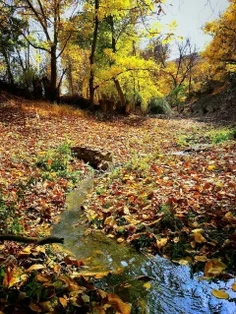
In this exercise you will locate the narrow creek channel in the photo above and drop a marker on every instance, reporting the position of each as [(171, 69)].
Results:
[(172, 288)]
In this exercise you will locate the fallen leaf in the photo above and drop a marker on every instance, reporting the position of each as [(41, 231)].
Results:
[(214, 268), (161, 243), (211, 167), (202, 258), (35, 267), (63, 302), (117, 304), (147, 285), (220, 294), (41, 278), (12, 276), (35, 308), (120, 240), (199, 238), (234, 286)]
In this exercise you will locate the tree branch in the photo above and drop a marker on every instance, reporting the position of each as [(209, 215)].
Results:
[(37, 241), (33, 45), (64, 47)]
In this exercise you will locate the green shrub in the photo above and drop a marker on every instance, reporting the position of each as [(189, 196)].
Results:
[(221, 135), (224, 136), (9, 220), (55, 159), (159, 105)]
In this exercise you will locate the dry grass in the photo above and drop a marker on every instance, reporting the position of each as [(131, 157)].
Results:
[(41, 108), (45, 109)]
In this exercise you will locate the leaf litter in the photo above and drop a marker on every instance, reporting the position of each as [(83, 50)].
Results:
[(181, 206)]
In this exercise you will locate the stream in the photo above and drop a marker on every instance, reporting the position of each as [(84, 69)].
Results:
[(172, 289)]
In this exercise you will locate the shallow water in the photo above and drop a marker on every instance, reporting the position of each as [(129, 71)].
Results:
[(172, 291)]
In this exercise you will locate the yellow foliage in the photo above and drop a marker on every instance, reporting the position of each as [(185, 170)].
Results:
[(223, 46)]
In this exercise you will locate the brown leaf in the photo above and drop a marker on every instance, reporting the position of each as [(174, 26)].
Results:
[(35, 267), (214, 268), (35, 308), (117, 304)]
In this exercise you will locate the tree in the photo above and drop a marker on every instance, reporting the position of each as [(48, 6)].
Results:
[(10, 41), (180, 70), (222, 48), (50, 19)]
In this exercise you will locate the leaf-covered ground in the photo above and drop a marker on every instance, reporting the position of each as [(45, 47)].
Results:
[(171, 191)]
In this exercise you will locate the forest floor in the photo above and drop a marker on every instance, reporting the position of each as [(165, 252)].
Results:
[(171, 192)]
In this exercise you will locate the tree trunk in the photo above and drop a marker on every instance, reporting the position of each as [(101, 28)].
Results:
[(9, 73), (117, 83), (70, 78), (120, 93), (91, 58), (53, 79)]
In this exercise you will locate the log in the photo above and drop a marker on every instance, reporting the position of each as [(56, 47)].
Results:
[(96, 158), (37, 241)]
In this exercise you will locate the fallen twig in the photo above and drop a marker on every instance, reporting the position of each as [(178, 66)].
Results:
[(37, 241)]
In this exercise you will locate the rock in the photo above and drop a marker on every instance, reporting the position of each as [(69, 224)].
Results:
[(96, 158)]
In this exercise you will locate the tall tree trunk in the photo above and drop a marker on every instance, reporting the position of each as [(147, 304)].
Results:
[(92, 55), (53, 79), (70, 77), (117, 83), (120, 93), (9, 73)]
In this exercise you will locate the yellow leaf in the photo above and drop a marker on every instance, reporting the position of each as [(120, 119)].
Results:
[(26, 251), (201, 258), (109, 221), (103, 294), (120, 240), (220, 294), (199, 238), (161, 242), (117, 304), (183, 261), (234, 286), (63, 302), (97, 275), (147, 285), (34, 267), (211, 167), (214, 268)]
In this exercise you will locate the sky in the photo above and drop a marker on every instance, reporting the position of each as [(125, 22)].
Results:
[(191, 15)]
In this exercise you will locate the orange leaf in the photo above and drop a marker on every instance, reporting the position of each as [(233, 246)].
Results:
[(11, 277), (63, 302)]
